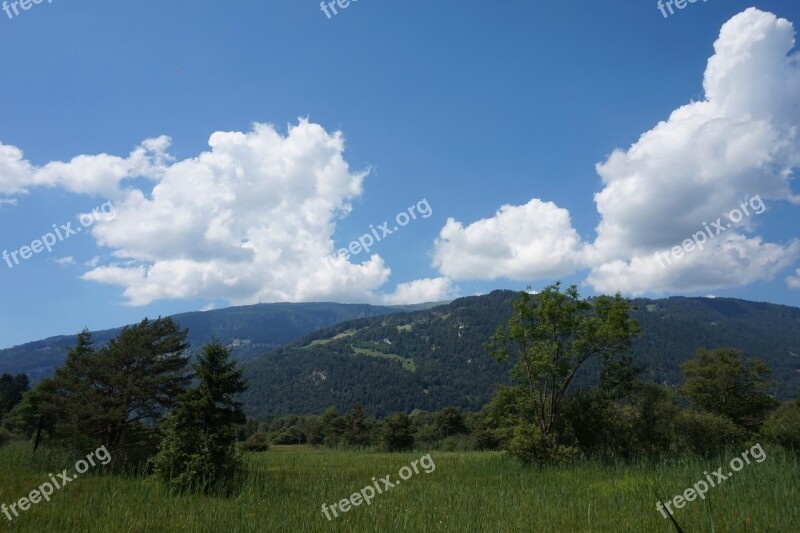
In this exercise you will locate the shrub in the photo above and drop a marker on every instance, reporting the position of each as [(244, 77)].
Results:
[(457, 443), (706, 433), (257, 442), (530, 445), (5, 436), (783, 425), (291, 435)]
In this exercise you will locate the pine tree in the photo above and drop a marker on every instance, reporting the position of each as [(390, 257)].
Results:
[(112, 395), (198, 450)]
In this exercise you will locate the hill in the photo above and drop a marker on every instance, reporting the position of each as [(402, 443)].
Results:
[(434, 358), (250, 330)]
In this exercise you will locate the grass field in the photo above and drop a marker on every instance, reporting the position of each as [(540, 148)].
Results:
[(287, 486), (408, 364)]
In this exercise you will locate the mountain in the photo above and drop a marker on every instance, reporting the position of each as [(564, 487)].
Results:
[(434, 358), (249, 330)]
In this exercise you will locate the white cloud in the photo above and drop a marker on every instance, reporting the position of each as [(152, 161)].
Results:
[(251, 219), (69, 260), (707, 158), (794, 281), (421, 291), (729, 261), (535, 240), (93, 262), (99, 175), (739, 142)]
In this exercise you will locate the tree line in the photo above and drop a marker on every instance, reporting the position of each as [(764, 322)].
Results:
[(540, 416), (139, 396)]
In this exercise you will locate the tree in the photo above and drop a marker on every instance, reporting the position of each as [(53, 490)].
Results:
[(357, 433), (114, 395), (35, 414), (705, 432), (11, 390), (396, 433), (549, 337), (783, 425), (450, 421), (52, 406), (333, 427), (721, 381), (657, 408), (198, 450)]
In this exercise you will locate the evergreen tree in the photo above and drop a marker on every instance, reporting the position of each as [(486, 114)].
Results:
[(111, 396), (397, 434), (357, 433), (198, 450), (11, 390)]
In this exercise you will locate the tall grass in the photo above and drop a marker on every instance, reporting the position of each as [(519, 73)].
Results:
[(469, 491)]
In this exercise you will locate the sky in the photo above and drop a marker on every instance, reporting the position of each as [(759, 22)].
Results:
[(163, 157)]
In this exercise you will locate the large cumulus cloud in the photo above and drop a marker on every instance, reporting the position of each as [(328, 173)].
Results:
[(251, 219), (704, 160)]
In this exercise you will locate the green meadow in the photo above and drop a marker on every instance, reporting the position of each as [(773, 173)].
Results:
[(284, 490)]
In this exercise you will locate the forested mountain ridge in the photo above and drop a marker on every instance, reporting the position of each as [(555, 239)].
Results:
[(250, 330), (434, 358)]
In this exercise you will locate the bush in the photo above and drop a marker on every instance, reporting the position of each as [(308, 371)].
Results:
[(530, 445), (291, 435), (706, 433), (783, 425), (457, 443), (5, 436), (257, 442)]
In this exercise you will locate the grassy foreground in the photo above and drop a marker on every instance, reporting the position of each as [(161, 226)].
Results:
[(467, 492)]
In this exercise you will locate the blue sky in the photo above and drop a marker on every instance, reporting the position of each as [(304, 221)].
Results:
[(321, 127)]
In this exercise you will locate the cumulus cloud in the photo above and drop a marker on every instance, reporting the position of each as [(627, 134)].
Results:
[(708, 157), (733, 260), (422, 290), (794, 281), (535, 240), (98, 175), (63, 261), (251, 219)]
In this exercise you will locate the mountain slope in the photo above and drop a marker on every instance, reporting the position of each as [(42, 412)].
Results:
[(250, 330), (434, 358)]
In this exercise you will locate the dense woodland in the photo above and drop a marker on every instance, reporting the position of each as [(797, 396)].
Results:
[(725, 398), (435, 358)]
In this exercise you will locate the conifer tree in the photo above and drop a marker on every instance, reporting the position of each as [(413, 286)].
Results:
[(198, 450)]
